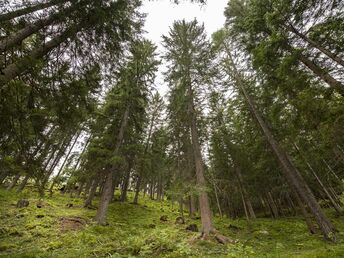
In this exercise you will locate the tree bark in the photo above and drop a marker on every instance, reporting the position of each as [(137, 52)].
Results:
[(322, 74), (108, 186), (17, 37), (314, 44), (22, 65), (125, 185), (294, 178), (244, 192), (137, 189), (29, 9), (206, 217), (13, 183), (88, 201), (305, 214), (23, 183), (64, 163)]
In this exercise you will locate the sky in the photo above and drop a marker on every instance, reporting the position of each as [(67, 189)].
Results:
[(160, 16), (162, 13)]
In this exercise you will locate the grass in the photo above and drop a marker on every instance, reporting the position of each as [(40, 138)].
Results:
[(136, 231)]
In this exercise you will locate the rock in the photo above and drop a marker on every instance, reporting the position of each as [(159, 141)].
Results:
[(180, 220), (192, 227), (22, 203), (69, 205), (163, 218), (39, 216)]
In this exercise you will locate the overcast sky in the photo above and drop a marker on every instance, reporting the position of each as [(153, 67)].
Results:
[(162, 13)]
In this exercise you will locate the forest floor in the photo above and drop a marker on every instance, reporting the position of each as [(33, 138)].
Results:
[(56, 230)]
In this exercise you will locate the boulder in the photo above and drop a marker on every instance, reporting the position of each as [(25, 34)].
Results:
[(180, 220), (192, 227), (22, 203)]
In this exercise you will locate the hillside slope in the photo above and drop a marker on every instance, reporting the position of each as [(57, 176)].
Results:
[(58, 230)]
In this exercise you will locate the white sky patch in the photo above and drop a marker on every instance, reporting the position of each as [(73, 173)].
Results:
[(162, 13), (160, 16)]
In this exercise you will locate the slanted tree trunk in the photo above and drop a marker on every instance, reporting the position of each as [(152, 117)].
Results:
[(293, 176), (80, 189), (247, 200), (305, 214), (206, 216), (29, 9), (137, 189), (91, 194), (272, 205), (23, 64), (323, 187), (108, 185), (3, 176), (13, 183), (125, 185), (64, 163), (217, 199), (314, 44), (23, 183), (322, 74), (57, 159), (17, 37)]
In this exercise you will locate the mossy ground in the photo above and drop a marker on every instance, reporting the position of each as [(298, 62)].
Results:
[(130, 232)]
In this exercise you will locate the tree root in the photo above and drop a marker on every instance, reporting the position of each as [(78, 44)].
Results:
[(215, 235)]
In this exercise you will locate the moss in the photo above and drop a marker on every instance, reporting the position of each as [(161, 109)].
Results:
[(130, 234)]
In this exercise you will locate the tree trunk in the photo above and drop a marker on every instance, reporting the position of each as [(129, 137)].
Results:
[(80, 189), (17, 37), (217, 200), (57, 159), (244, 204), (291, 173), (323, 187), (192, 209), (206, 217), (13, 183), (23, 183), (125, 185), (64, 163), (137, 189), (272, 205), (29, 9), (314, 44), (322, 74), (88, 201), (3, 176), (247, 200), (305, 214), (108, 186), (22, 65)]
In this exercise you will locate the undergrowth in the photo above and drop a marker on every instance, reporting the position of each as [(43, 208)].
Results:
[(136, 231)]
